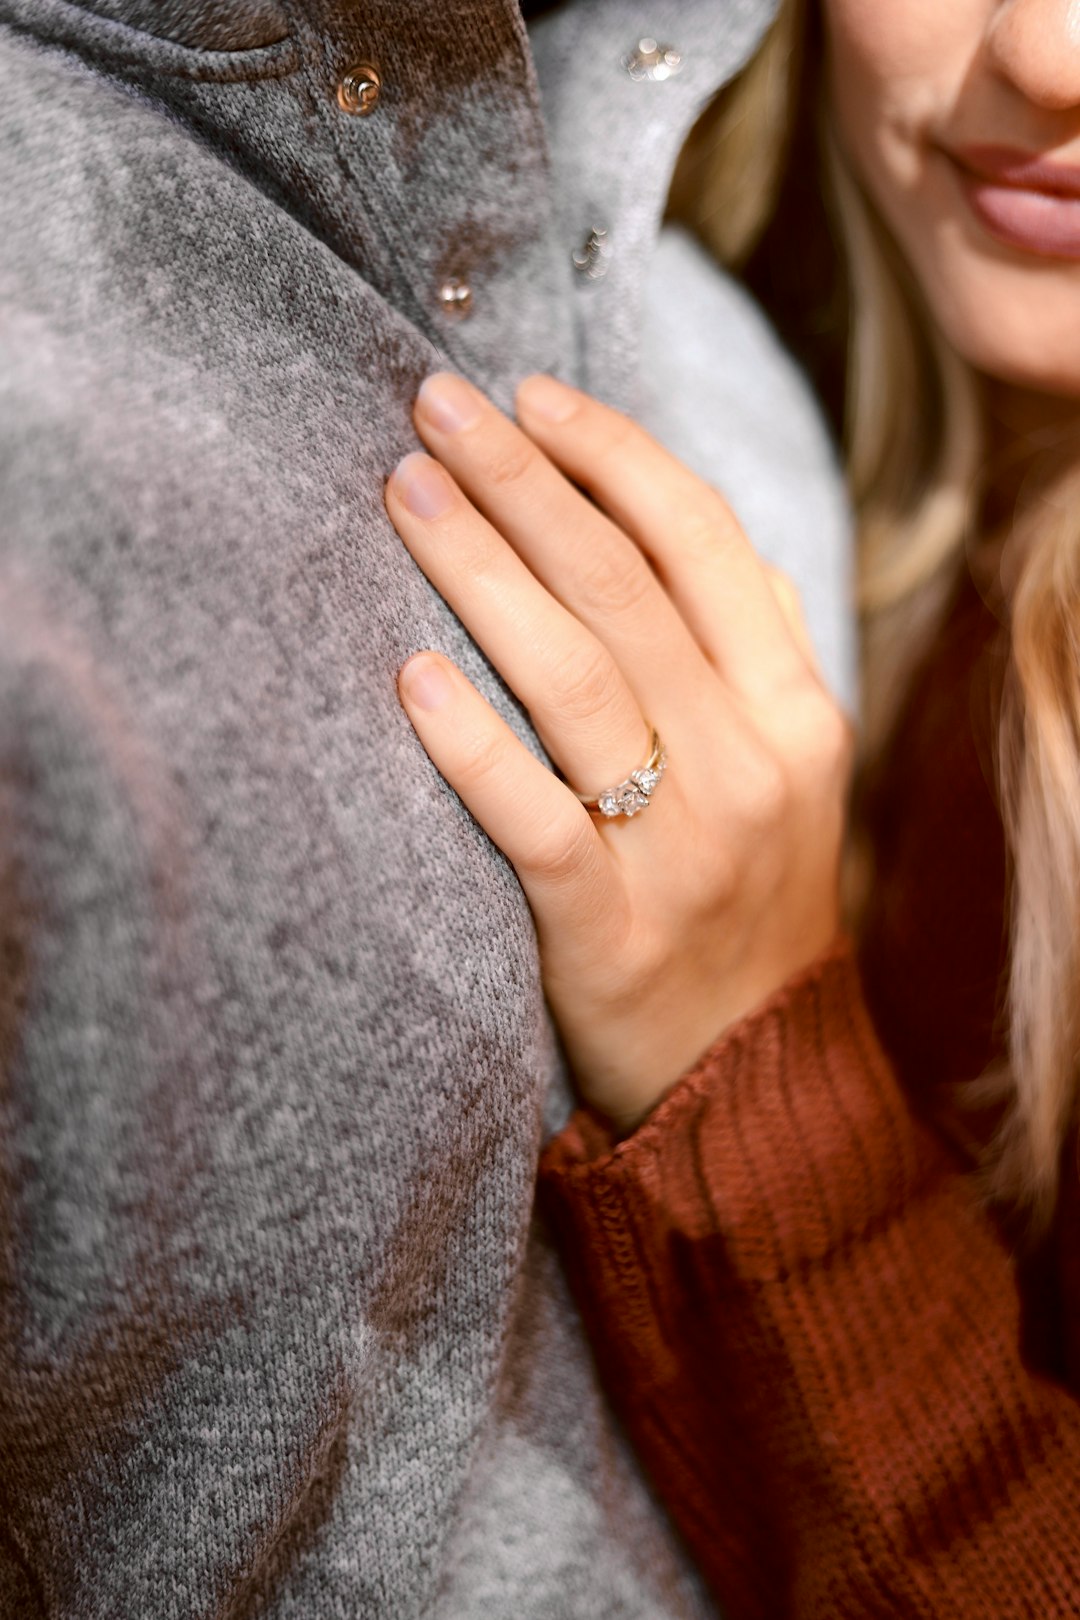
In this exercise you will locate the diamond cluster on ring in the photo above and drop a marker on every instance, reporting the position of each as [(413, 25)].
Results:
[(633, 794)]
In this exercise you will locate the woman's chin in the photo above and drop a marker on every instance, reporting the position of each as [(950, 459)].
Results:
[(1009, 310), (1061, 382), (1010, 323)]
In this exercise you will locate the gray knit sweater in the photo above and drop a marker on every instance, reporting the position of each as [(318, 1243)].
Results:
[(278, 1333)]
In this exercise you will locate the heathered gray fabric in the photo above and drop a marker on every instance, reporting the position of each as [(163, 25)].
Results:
[(278, 1333)]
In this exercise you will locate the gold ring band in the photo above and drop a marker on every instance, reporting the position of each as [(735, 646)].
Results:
[(636, 791)]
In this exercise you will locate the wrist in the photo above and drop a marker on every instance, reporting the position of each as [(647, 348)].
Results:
[(626, 1064)]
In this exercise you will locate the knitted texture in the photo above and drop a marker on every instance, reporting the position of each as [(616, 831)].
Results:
[(813, 1328), (278, 1332)]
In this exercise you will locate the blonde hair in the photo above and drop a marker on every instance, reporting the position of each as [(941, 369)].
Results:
[(917, 474)]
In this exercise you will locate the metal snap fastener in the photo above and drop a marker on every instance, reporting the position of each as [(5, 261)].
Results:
[(590, 260), (359, 89), (648, 60), (455, 296)]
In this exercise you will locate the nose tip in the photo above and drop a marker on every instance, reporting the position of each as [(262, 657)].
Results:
[(1036, 44)]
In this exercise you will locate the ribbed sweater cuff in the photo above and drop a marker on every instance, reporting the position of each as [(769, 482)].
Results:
[(789, 1138)]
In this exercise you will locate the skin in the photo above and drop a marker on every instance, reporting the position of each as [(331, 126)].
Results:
[(905, 81), (648, 603), (655, 932)]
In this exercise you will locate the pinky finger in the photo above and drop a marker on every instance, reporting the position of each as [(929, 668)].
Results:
[(543, 830), (787, 594)]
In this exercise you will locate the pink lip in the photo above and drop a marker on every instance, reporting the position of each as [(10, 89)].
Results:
[(1009, 166), (1026, 201)]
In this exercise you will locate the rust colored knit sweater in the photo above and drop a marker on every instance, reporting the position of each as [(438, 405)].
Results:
[(852, 1398)]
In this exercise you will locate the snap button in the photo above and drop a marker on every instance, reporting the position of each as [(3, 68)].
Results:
[(455, 296), (359, 89), (590, 260), (648, 60)]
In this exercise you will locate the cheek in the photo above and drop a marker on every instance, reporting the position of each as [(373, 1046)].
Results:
[(883, 41), (893, 70), (877, 40), (902, 75)]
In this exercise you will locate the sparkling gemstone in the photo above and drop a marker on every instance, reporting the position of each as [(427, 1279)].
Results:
[(633, 794), (625, 800)]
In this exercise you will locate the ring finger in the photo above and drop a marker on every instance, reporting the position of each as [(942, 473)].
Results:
[(584, 712)]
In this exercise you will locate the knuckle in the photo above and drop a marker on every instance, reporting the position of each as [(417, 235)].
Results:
[(784, 586), (481, 758), (475, 553), (719, 859), (765, 789), (583, 684), (471, 546), (563, 851), (697, 536), (819, 743), (722, 876), (509, 464), (616, 433), (772, 788), (616, 581), (706, 531), (829, 732), (727, 874), (646, 953), (838, 735)]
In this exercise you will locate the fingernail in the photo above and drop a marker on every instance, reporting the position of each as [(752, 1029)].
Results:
[(448, 402), (425, 682), (422, 484), (546, 396)]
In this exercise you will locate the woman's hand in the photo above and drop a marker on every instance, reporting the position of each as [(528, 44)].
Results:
[(650, 607)]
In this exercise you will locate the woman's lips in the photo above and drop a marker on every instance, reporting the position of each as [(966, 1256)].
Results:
[(1040, 216)]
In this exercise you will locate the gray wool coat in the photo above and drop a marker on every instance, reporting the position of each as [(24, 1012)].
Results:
[(279, 1333)]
